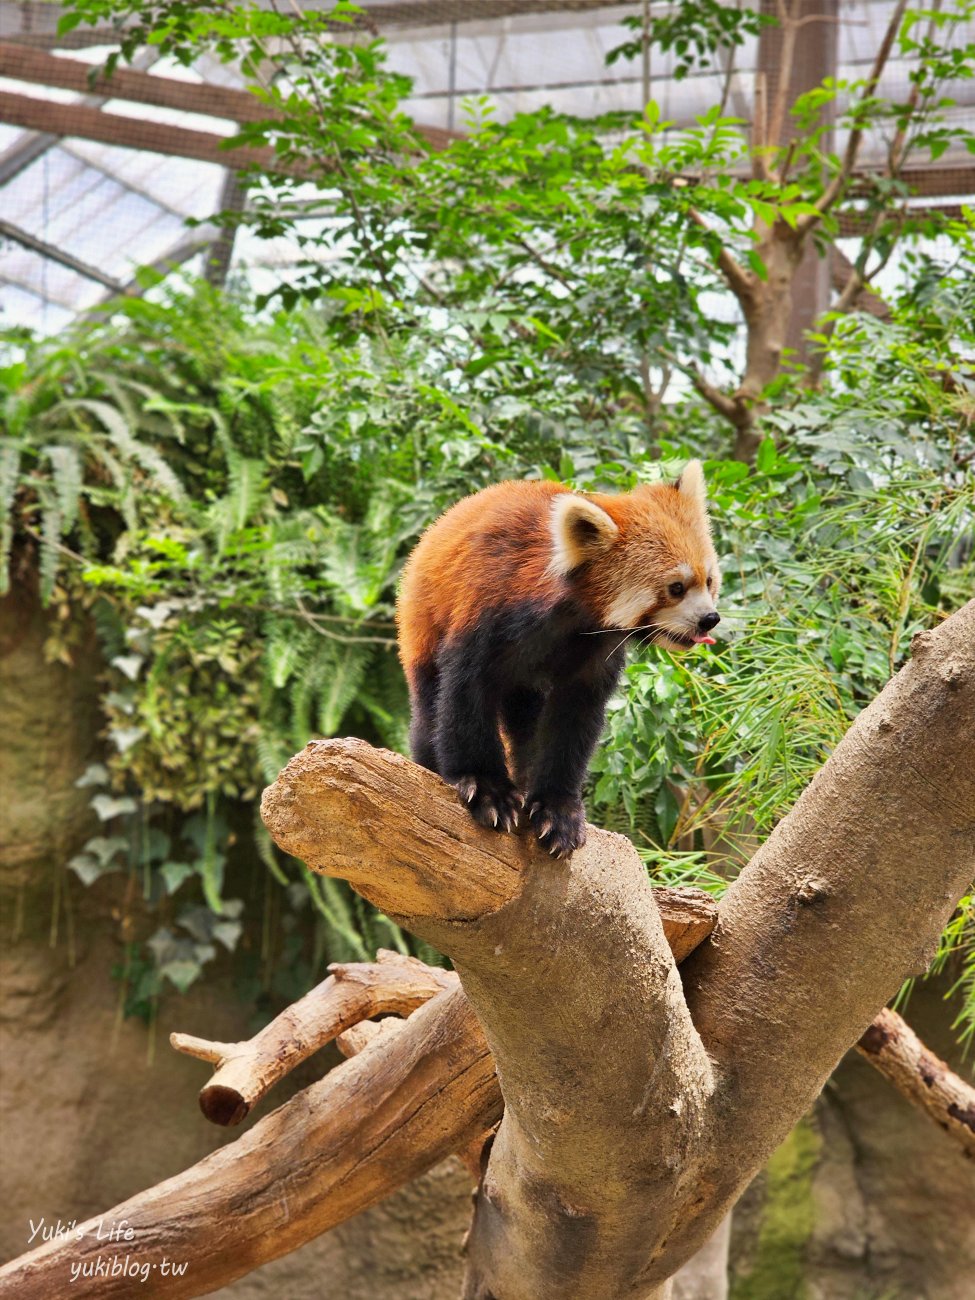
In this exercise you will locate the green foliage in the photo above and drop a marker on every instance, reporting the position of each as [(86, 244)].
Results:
[(694, 31), (230, 487)]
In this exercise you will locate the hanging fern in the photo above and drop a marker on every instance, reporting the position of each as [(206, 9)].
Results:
[(340, 681), (9, 471)]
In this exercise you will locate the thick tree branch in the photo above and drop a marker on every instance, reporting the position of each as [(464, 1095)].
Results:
[(892, 1047), (247, 1071), (802, 959), (788, 26), (846, 899), (428, 1089), (371, 1125), (628, 1129)]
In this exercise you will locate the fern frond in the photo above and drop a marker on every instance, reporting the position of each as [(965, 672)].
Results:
[(125, 500), (386, 700), (245, 493), (9, 472), (50, 540), (147, 458), (328, 898), (341, 685), (265, 848), (68, 476)]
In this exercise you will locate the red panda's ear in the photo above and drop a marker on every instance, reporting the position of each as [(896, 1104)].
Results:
[(580, 530), (691, 483)]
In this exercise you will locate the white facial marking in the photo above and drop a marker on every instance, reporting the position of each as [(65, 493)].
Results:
[(628, 606)]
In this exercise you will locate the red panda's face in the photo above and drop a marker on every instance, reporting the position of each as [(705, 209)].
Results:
[(645, 559)]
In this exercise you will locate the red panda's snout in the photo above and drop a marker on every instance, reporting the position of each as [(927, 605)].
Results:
[(679, 624)]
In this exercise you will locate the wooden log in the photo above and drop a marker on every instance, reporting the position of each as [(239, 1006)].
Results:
[(371, 1125)]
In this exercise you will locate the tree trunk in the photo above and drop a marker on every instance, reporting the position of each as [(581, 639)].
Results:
[(638, 1105)]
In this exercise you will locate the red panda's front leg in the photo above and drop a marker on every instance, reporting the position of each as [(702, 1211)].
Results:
[(569, 729), (467, 741)]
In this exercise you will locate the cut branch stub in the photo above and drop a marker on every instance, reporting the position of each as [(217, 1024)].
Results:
[(336, 802), (247, 1071)]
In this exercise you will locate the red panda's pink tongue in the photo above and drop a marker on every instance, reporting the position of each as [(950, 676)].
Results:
[(703, 640)]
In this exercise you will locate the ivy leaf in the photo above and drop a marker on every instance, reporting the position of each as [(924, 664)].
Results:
[(130, 665), (174, 873), (94, 774), (108, 806)]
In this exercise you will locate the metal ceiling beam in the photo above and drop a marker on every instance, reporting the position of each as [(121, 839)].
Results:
[(27, 150), (33, 23), (32, 145), (46, 299), (129, 186), (128, 132), (44, 69), (39, 68), (948, 177), (169, 261), (9, 231)]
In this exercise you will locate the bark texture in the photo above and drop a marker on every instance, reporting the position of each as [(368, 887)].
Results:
[(629, 1127), (815, 936), (341, 1145), (892, 1046), (246, 1072), (844, 901)]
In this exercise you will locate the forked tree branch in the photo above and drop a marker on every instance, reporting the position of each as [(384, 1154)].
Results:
[(246, 1072), (841, 179), (801, 960), (628, 1130), (424, 1089), (373, 1124), (355, 992)]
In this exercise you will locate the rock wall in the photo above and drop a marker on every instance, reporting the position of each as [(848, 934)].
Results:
[(95, 1107), (867, 1199)]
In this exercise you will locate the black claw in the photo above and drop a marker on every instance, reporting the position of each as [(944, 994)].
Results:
[(559, 824), (493, 804)]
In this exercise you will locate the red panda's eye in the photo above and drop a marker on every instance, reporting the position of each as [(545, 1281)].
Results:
[(676, 589), (709, 581)]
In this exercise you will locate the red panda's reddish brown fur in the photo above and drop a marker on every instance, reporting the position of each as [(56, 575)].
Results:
[(448, 581)]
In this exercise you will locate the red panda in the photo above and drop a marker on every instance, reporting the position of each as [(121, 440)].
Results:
[(512, 614)]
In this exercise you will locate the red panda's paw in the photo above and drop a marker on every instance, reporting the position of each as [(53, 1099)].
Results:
[(559, 822), (494, 803)]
